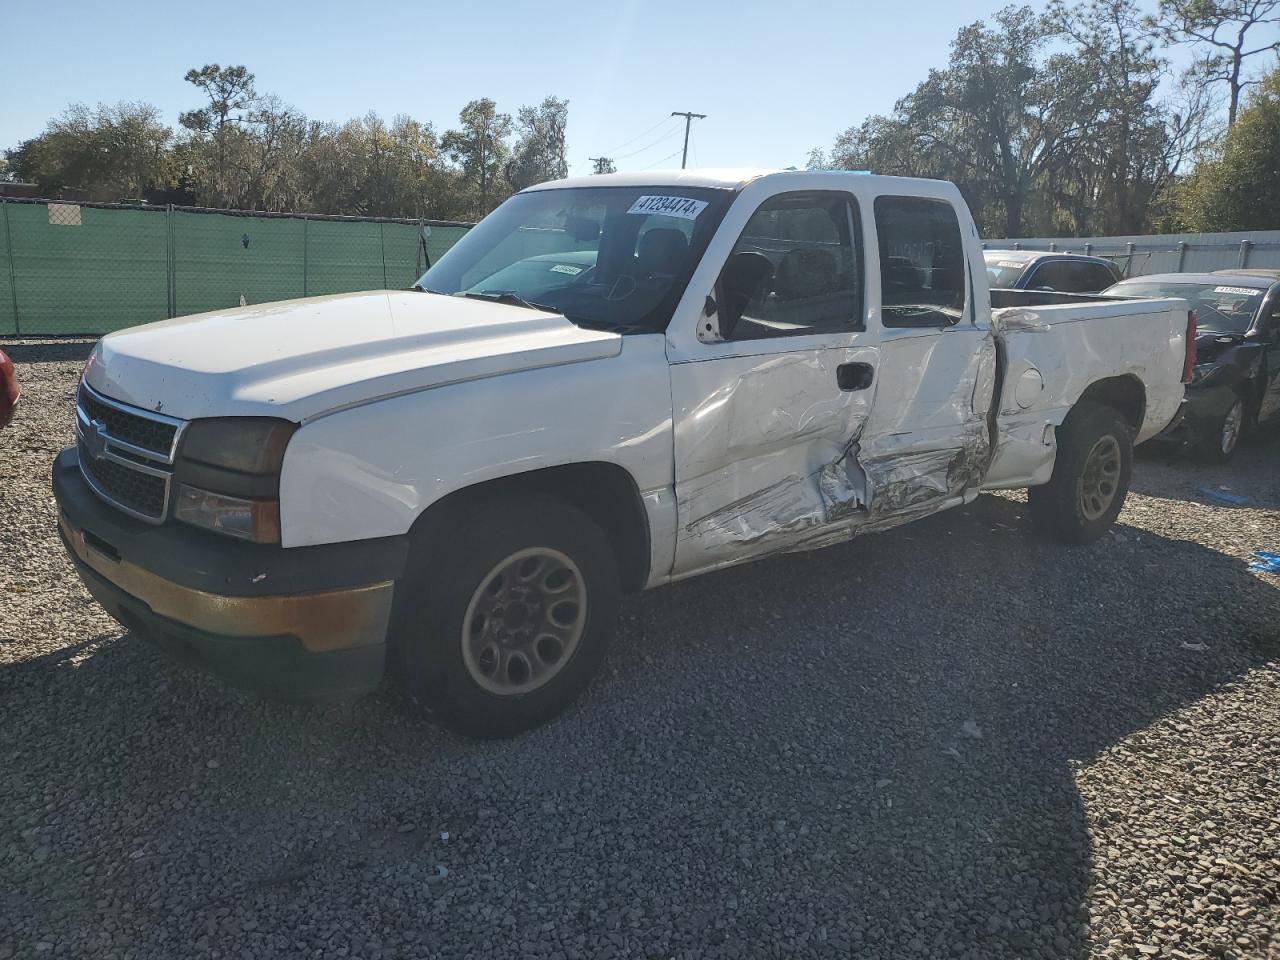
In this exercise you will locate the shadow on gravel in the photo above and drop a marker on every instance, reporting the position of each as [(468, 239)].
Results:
[(866, 750), (33, 351), (1249, 481)]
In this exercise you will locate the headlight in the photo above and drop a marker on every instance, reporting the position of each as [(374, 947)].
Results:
[(228, 476), (246, 444), (256, 520)]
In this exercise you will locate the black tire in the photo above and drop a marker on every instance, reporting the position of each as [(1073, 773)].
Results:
[(1216, 446), (450, 560), (1061, 509)]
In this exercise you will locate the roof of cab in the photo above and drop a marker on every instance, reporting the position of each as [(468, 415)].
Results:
[(721, 178)]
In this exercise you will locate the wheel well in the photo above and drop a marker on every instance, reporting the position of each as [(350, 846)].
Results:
[(1125, 394), (605, 492)]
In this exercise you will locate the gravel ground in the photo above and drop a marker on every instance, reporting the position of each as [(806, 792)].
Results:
[(947, 740)]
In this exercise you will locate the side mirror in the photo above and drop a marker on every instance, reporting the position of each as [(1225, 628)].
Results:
[(740, 282)]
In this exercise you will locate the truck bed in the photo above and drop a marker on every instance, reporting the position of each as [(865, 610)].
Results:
[(1052, 353)]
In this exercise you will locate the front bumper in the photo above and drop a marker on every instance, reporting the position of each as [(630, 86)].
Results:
[(306, 623)]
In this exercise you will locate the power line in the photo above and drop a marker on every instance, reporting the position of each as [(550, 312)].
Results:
[(663, 160), (688, 122), (645, 134), (666, 136)]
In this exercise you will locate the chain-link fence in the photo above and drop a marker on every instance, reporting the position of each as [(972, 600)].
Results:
[(1166, 253), (90, 268)]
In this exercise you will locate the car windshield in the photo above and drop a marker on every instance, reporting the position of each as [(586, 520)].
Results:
[(612, 257), (1002, 272), (1220, 307)]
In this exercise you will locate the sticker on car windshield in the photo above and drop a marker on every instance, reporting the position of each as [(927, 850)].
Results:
[(1011, 264), (681, 207), (1236, 291), (568, 268)]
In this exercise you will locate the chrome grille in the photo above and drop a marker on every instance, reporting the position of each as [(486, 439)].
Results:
[(126, 454)]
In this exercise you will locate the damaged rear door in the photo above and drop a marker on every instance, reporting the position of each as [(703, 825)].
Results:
[(763, 421), (927, 444)]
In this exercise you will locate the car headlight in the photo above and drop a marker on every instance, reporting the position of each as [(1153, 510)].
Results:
[(256, 520), (228, 476)]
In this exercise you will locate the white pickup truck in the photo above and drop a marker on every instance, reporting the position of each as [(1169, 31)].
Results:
[(609, 384)]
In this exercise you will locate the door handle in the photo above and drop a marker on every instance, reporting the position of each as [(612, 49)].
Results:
[(854, 376)]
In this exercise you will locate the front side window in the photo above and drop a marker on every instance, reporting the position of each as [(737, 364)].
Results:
[(922, 275), (796, 269), (616, 258)]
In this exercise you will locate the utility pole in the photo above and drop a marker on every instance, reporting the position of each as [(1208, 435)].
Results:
[(603, 165), (688, 121)]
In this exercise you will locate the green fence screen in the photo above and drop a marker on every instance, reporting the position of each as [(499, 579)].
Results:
[(70, 268)]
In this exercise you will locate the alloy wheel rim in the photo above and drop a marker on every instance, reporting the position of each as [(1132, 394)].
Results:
[(1100, 480), (1231, 427), (524, 622)]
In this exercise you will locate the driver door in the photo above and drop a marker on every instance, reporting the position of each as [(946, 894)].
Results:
[(764, 421)]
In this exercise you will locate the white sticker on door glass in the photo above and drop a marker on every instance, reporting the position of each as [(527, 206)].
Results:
[(1236, 291), (681, 207)]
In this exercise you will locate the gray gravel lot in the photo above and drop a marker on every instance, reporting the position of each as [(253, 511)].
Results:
[(948, 740)]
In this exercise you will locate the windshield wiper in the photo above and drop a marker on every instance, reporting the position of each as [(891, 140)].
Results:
[(509, 298), (421, 289)]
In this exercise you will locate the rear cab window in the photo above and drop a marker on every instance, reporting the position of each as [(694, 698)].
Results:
[(922, 262)]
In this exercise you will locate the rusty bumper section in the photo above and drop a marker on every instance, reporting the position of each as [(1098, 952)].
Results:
[(328, 620), (286, 622)]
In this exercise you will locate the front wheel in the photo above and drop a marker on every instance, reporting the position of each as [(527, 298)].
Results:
[(508, 610), (1221, 440), (1090, 476)]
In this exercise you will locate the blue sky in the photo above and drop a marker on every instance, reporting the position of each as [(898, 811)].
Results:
[(775, 79)]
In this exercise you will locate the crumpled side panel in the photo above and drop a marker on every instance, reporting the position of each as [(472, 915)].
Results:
[(908, 487)]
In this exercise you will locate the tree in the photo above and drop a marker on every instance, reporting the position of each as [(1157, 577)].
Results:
[(539, 153), (1127, 144), (224, 145), (480, 150), (1228, 29), (228, 89), (992, 121), (1238, 187), (110, 151), (1048, 125)]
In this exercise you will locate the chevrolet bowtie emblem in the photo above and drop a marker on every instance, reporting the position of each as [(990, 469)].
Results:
[(95, 439)]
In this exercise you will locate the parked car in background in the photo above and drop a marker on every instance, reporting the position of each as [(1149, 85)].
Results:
[(9, 390), (1038, 270), (610, 383), (1236, 383)]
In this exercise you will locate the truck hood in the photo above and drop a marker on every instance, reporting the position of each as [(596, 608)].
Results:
[(300, 359)]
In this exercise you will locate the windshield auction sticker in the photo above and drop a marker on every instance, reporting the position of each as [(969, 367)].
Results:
[(681, 207), (1236, 291)]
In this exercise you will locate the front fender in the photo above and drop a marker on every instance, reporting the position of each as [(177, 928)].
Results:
[(371, 470)]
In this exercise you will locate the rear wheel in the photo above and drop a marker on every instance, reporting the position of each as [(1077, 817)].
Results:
[(1221, 441), (1090, 476), (507, 613)]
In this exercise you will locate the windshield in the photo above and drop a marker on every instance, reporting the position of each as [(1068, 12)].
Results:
[(1219, 307), (612, 257), (1002, 272)]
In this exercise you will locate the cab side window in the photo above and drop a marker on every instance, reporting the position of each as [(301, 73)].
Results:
[(796, 269), (922, 266)]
